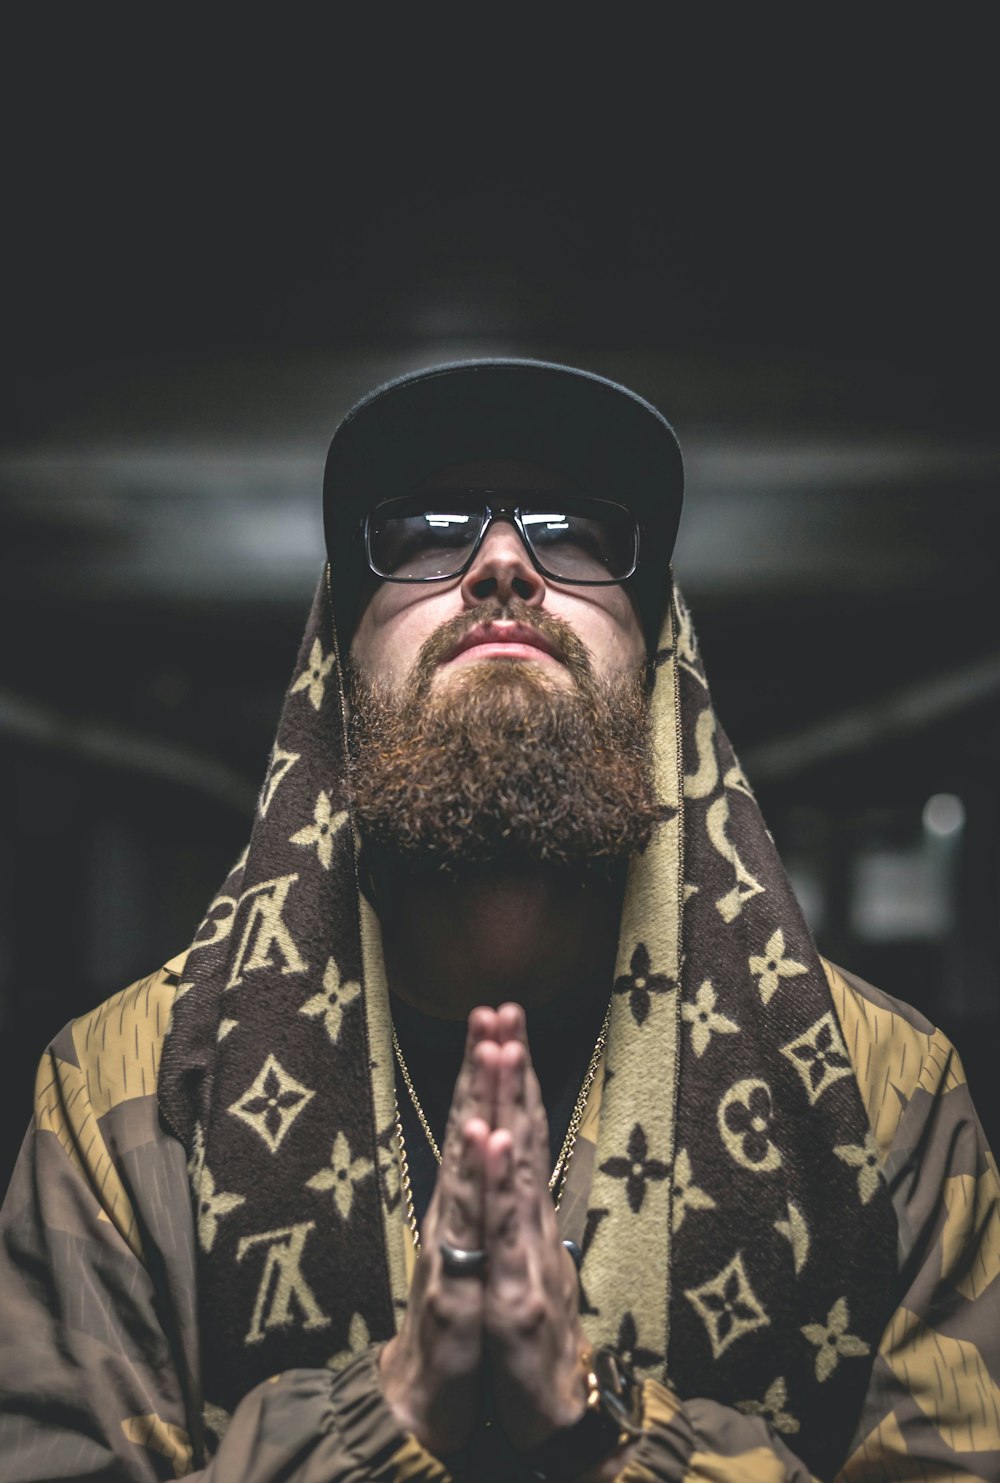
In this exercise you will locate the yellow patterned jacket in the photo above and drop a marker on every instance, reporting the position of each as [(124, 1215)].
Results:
[(99, 1345)]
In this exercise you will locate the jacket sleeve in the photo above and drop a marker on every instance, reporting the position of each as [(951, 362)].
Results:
[(96, 1367), (933, 1405), (98, 1362), (97, 1371)]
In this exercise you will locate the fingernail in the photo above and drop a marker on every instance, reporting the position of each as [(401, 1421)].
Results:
[(574, 1252)]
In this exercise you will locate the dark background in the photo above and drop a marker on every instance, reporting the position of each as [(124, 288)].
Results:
[(781, 231)]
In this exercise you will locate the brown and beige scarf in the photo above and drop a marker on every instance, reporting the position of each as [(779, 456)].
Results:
[(739, 1241)]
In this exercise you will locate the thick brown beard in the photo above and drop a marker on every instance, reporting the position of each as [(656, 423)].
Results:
[(500, 768)]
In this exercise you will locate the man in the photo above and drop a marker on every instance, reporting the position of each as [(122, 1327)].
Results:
[(525, 1131)]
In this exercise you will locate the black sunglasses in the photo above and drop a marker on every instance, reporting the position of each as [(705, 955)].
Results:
[(434, 537)]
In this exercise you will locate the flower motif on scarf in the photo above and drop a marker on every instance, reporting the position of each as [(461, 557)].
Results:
[(866, 1160), (687, 1195), (389, 1178), (320, 832), (772, 1407), (728, 1306), (641, 983), (704, 1021), (218, 921), (796, 1232), (212, 1205), (331, 1001), (637, 1169), (773, 965), (341, 1175), (358, 1338), (736, 778), (628, 1346), (819, 1056), (313, 677), (271, 1103), (745, 1115), (832, 1340)]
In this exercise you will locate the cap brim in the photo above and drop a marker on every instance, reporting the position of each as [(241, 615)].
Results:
[(599, 434)]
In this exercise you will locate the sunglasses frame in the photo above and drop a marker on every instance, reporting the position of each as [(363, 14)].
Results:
[(515, 503)]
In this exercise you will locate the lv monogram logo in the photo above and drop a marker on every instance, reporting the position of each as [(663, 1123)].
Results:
[(218, 922), (265, 929), (282, 1280), (747, 885)]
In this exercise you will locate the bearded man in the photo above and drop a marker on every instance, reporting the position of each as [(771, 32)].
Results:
[(508, 1124)]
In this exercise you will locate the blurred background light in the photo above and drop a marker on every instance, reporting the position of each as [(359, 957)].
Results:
[(944, 814)]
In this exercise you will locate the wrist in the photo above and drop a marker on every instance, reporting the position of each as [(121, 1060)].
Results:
[(568, 1404), (593, 1446), (398, 1393), (533, 1416), (411, 1406)]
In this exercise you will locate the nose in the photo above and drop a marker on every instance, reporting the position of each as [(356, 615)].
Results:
[(503, 569)]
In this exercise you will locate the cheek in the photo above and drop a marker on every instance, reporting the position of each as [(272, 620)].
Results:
[(391, 631), (362, 643), (629, 625), (613, 635), (375, 641)]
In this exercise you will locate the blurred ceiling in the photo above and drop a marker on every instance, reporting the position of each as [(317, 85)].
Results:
[(216, 243)]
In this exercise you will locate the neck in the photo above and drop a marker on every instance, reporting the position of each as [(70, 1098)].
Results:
[(454, 942)]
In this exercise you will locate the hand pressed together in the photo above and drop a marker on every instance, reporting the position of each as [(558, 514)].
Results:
[(518, 1322)]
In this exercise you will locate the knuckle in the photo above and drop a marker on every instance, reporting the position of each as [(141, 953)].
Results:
[(508, 1226), (440, 1307), (527, 1316), (451, 1302), (526, 1176), (460, 1220)]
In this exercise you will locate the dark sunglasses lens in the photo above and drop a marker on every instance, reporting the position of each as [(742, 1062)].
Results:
[(583, 540), (408, 539), (573, 538)]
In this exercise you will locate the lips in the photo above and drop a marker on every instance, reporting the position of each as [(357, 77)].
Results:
[(493, 639)]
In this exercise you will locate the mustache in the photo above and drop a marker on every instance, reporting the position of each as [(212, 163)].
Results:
[(568, 648)]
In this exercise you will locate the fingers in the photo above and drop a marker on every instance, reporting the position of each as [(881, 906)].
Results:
[(521, 1111), (511, 1029), (518, 1216), (503, 1221), (475, 1090), (496, 1092), (529, 1296), (431, 1372), (458, 1218), (455, 1213), (511, 1024), (530, 1314)]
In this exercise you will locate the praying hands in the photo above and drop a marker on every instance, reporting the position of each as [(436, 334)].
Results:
[(494, 1287)]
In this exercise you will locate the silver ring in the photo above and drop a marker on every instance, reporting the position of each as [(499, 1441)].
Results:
[(459, 1263)]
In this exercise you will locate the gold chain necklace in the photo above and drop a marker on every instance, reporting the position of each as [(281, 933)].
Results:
[(557, 1180)]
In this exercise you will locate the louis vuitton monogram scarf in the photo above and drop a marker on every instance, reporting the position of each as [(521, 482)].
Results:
[(739, 1239)]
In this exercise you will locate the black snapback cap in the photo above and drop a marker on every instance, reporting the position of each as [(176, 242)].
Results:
[(605, 438)]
